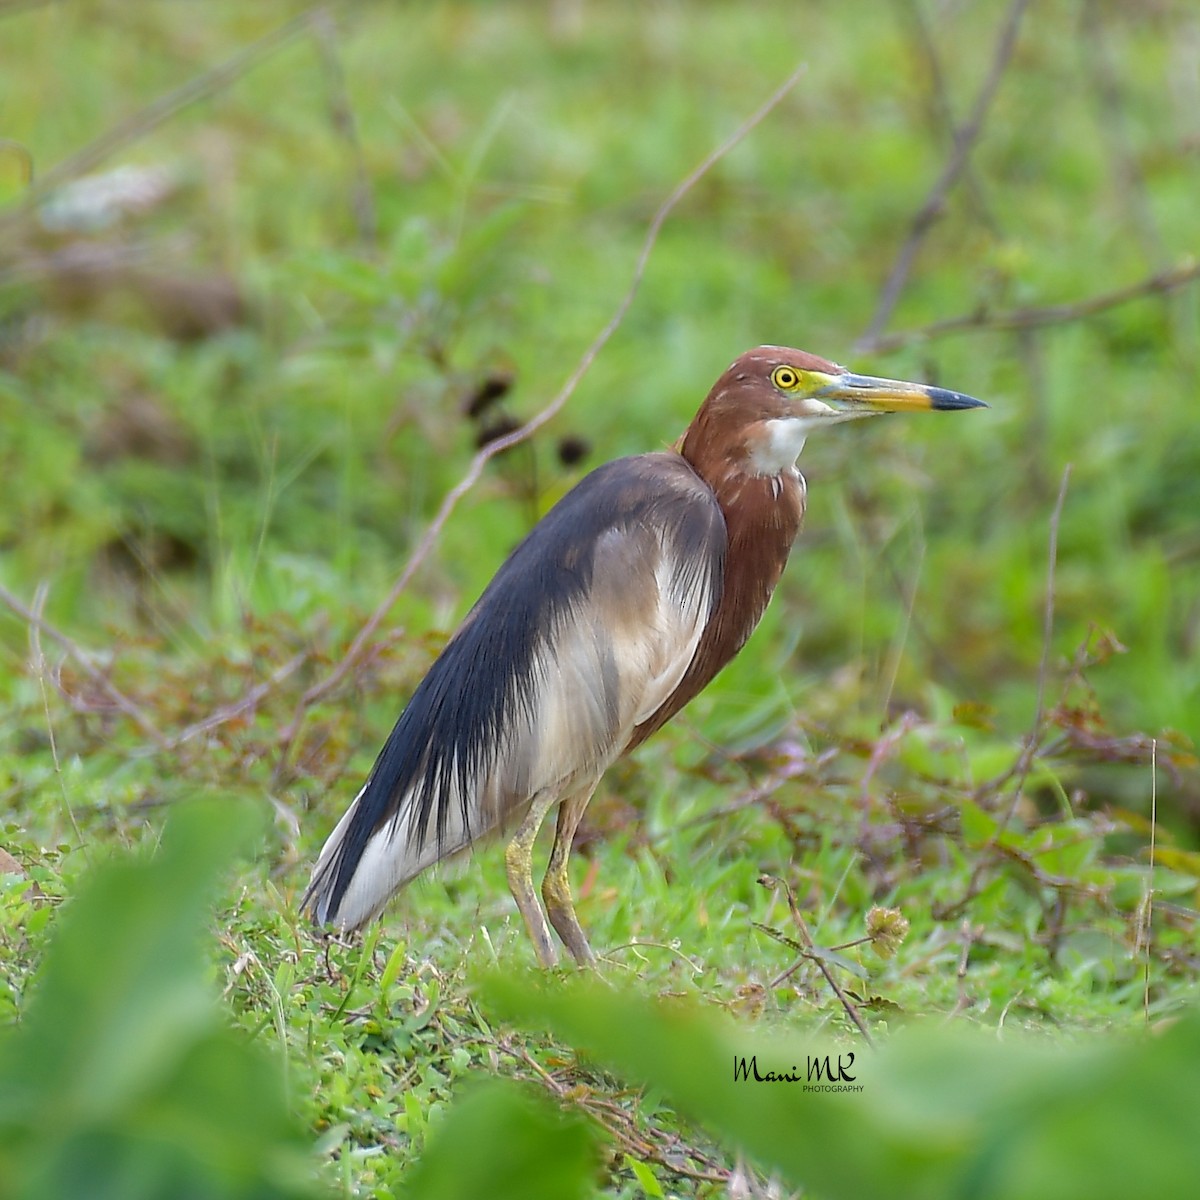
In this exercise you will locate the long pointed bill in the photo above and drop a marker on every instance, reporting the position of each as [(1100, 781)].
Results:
[(865, 394)]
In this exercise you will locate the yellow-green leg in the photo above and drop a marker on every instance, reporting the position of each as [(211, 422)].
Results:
[(556, 884), (518, 861)]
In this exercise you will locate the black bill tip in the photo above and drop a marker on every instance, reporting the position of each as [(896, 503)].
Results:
[(943, 400)]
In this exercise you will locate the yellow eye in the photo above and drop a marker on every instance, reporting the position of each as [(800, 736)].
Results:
[(785, 378)]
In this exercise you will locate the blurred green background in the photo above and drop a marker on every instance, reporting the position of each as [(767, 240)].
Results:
[(238, 376), (335, 299)]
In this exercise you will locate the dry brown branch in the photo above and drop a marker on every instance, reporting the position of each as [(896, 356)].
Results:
[(230, 712), (87, 260), (1037, 434), (145, 120), (964, 142), (1146, 908), (1039, 718), (40, 668), (808, 949), (10, 8), (1112, 124), (1033, 739), (85, 661), (341, 113), (655, 1145), (970, 935), (1160, 282), (34, 620), (905, 592), (362, 640), (18, 150), (908, 600), (940, 114), (882, 748)]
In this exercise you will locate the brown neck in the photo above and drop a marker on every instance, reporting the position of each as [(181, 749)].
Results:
[(762, 518)]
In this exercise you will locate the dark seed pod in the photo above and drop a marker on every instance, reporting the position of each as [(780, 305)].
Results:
[(494, 386), (573, 449), (496, 429)]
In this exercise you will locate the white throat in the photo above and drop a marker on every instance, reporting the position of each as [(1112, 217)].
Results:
[(776, 452)]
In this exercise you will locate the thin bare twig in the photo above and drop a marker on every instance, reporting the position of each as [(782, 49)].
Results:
[(882, 748), (34, 619), (246, 703), (21, 153), (908, 598), (964, 142), (10, 8), (904, 592), (450, 501), (1160, 282), (147, 119), (810, 951), (1145, 918), (970, 936), (619, 1123), (1037, 439), (39, 665), (88, 260), (941, 115), (84, 659), (1033, 739), (1048, 611), (362, 199), (1112, 121)]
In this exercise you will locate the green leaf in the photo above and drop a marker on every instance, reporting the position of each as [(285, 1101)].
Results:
[(978, 826), (645, 1176), (507, 1144), (391, 971), (124, 991), (123, 1080), (940, 1114)]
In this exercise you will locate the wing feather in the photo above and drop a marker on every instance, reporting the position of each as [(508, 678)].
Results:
[(585, 631)]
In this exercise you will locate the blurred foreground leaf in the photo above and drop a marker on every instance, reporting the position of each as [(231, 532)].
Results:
[(941, 1113), (501, 1143), (122, 1080)]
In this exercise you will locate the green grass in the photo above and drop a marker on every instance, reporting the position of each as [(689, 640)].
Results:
[(211, 513)]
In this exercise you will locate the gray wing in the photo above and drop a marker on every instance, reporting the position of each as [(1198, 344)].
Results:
[(582, 635)]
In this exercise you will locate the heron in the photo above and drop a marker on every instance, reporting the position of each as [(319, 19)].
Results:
[(620, 605)]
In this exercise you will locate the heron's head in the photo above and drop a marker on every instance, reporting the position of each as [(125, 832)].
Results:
[(770, 399)]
